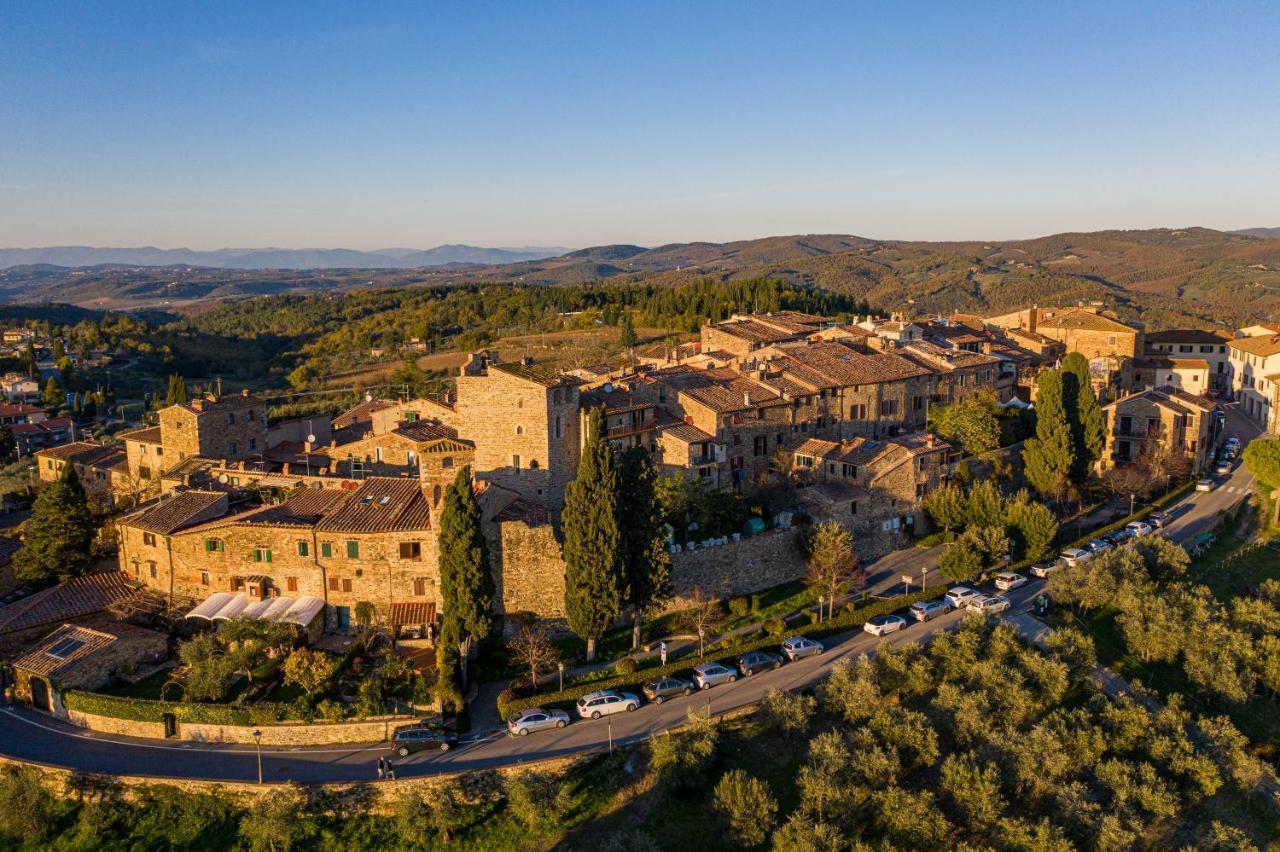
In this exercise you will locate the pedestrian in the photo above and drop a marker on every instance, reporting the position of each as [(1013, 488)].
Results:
[(391, 772), (382, 768), (662, 652)]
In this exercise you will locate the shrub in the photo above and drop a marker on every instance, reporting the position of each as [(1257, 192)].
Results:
[(775, 627), (755, 603), (537, 798), (625, 666), (813, 616), (747, 806), (739, 607)]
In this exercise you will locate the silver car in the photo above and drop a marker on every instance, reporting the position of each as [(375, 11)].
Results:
[(798, 647), (925, 610), (989, 604), (882, 625), (536, 719), (708, 675)]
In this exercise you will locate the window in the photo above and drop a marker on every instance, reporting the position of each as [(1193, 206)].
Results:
[(213, 545), (151, 568), (760, 445), (253, 443), (262, 554), (410, 550), (853, 507), (446, 462), (419, 586), (346, 585), (831, 468), (515, 460), (519, 429), (353, 549), (231, 448), (1206, 349), (231, 417), (333, 584), (326, 549), (149, 539), (248, 415), (849, 471), (1186, 348), (888, 407), (144, 472), (411, 416), (304, 548), (559, 427), (291, 584), (204, 578)]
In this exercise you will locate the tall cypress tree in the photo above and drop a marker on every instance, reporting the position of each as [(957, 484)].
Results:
[(58, 539), (1049, 456), (595, 573), (466, 581), (648, 565), (1088, 433), (627, 336), (177, 392), (33, 363)]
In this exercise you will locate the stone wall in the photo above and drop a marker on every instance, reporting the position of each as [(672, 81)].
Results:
[(737, 568), (368, 731), (529, 568)]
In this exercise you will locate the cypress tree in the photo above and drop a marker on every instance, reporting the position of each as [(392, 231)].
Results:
[(595, 573), (58, 538), (628, 331), (1049, 456), (647, 563), (177, 392), (466, 581), (1088, 433), (53, 396)]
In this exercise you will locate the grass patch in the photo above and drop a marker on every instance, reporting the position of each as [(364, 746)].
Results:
[(149, 687)]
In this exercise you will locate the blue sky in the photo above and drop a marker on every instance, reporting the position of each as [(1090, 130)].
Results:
[(372, 125)]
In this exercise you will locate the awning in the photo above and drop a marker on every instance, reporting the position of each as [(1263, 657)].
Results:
[(221, 606), (303, 611), (210, 606)]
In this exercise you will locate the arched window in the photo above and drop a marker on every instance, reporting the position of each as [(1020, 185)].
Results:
[(533, 464), (435, 495), (519, 429)]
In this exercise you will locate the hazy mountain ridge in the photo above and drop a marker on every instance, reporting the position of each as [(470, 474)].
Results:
[(270, 257)]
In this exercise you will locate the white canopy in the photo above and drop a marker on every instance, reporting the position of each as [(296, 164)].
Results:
[(221, 606)]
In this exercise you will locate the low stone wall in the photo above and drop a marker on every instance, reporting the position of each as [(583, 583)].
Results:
[(296, 734), (738, 567)]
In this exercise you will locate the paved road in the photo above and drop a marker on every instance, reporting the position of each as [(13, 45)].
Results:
[(1199, 511), (35, 737)]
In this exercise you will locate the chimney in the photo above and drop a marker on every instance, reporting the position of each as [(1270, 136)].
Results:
[(1031, 318), (986, 347), (746, 399), (285, 468)]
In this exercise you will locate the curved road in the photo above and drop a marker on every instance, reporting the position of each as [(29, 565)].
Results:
[(38, 738)]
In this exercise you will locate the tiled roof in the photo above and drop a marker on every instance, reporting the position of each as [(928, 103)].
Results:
[(168, 515), (686, 432), (1178, 401), (1263, 345), (412, 612), (1166, 362), (424, 430), (381, 504), (227, 402), (537, 373), (520, 509), (53, 424), (150, 435), (830, 450), (78, 452), (361, 413), (62, 649), (303, 509), (848, 367), (1188, 335), (1087, 320), (722, 390), (72, 599), (947, 359), (17, 409)]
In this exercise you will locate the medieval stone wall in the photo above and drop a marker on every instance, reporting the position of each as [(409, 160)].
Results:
[(737, 568)]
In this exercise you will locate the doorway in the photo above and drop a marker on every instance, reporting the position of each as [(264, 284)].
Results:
[(40, 694)]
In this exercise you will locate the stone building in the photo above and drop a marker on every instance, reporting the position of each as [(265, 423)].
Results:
[(1092, 334), (144, 450), (740, 335), (83, 656), (1167, 419), (392, 453), (228, 427), (1196, 344), (1155, 371), (1255, 377), (103, 471)]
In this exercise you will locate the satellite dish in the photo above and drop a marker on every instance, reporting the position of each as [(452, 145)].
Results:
[(311, 439), (223, 478)]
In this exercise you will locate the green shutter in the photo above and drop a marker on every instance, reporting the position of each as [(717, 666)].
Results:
[(353, 550), (302, 548), (326, 549), (268, 552), (257, 555)]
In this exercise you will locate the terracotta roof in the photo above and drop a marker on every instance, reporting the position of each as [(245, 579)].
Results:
[(303, 509), (521, 509), (168, 515), (686, 432), (1263, 345), (721, 390), (1178, 401), (62, 649), (225, 402), (78, 452), (947, 359), (424, 430), (1085, 320), (53, 424), (412, 612), (17, 409), (361, 413), (72, 599), (150, 435), (848, 367), (830, 450), (537, 373), (1166, 362), (616, 400), (1188, 335), (381, 504)]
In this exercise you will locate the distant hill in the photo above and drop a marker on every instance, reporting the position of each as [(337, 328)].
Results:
[(270, 258), (1265, 233)]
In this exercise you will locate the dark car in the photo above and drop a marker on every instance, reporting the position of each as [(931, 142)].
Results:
[(758, 661), (408, 740), (663, 688)]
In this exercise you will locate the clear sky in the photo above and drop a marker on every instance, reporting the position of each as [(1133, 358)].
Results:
[(371, 125)]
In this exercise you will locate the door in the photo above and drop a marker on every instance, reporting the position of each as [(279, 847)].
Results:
[(344, 617), (40, 694), (170, 725)]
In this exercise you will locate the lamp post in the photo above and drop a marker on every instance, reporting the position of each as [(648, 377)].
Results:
[(702, 632), (821, 600), (560, 666), (1131, 496), (257, 742)]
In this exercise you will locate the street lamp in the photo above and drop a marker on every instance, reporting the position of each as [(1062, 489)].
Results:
[(1131, 496), (257, 742), (560, 666), (821, 601), (702, 633)]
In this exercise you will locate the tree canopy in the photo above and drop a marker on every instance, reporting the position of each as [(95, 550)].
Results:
[(57, 542)]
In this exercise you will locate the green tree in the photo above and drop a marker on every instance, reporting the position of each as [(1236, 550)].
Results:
[(54, 396), (57, 543), (309, 670), (627, 331), (788, 712), (644, 550), (832, 562), (32, 362), (595, 566), (973, 788), (276, 823), (912, 819), (1032, 527), (946, 507), (26, 807), (1049, 457), (747, 805), (984, 505), (466, 579), (177, 391), (1088, 430), (972, 424), (538, 798), (1262, 458), (8, 446)]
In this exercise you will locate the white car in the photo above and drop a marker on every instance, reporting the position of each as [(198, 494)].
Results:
[(959, 596), (798, 647), (1074, 556), (989, 604), (882, 625), (593, 705), (1044, 569), (1139, 528), (1205, 484), (1008, 580)]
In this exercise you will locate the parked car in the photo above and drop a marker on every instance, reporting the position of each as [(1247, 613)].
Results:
[(925, 610), (1009, 580), (663, 688), (1116, 538), (536, 719), (1139, 528), (593, 705), (1044, 569), (1233, 442), (882, 625), (1159, 519), (959, 596), (708, 675), (758, 661), (1074, 556), (406, 741), (1205, 484), (798, 647), (989, 604), (1222, 468), (1098, 546)]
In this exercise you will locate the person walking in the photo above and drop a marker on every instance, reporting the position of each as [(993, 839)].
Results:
[(391, 772), (382, 768)]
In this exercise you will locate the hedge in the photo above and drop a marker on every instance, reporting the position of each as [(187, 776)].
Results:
[(508, 705), (147, 710)]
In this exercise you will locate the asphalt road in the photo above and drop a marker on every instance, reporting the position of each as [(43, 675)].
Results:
[(35, 737)]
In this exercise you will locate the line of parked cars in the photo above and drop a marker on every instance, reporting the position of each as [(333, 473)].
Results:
[(605, 702)]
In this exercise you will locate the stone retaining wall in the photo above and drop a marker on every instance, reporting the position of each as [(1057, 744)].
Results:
[(297, 734), (738, 567)]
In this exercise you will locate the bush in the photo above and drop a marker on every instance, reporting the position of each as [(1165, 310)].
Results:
[(755, 603), (625, 666), (331, 711), (775, 627), (814, 616), (739, 607)]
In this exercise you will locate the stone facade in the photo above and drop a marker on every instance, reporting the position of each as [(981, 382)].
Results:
[(738, 567), (217, 427), (1167, 418)]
